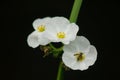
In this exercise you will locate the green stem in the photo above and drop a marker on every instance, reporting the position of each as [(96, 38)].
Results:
[(52, 46), (60, 72), (56, 49), (73, 18), (75, 10)]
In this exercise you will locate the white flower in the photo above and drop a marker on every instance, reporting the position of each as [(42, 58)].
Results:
[(37, 38), (61, 30), (79, 54)]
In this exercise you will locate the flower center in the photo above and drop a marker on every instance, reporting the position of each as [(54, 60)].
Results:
[(41, 28), (79, 56), (61, 35)]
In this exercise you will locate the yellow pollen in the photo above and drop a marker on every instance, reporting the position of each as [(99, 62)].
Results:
[(61, 35), (41, 28), (79, 56)]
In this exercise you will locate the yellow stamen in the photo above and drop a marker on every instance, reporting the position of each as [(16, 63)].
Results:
[(79, 56), (61, 35), (41, 28)]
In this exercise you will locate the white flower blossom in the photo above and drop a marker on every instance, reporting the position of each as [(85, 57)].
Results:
[(37, 38), (79, 54), (61, 30)]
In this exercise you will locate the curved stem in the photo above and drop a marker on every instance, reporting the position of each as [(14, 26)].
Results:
[(52, 46), (56, 49)]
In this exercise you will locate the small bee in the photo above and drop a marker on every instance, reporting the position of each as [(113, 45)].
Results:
[(80, 56)]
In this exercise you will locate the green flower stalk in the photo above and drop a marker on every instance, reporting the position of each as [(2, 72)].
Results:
[(60, 72), (75, 10), (73, 18)]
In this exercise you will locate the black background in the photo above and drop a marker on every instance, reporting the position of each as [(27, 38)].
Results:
[(21, 62)]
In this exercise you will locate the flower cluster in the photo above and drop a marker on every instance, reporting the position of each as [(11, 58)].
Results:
[(77, 54)]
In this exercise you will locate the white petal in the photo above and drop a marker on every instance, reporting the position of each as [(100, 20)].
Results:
[(44, 21), (91, 56), (65, 41), (82, 43), (59, 24), (82, 66), (32, 39), (79, 66), (43, 40), (60, 21), (71, 32), (69, 49), (69, 60), (51, 35)]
